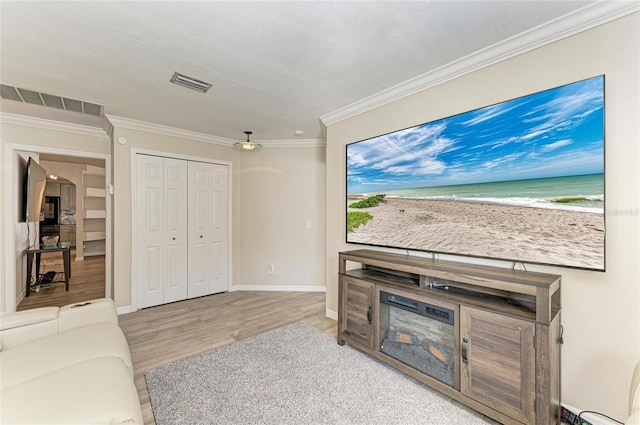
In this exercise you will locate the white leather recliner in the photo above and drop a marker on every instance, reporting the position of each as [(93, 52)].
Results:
[(69, 365), (634, 398)]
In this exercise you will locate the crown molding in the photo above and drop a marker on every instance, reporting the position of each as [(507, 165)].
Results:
[(565, 26), (292, 143), (164, 130), (28, 121)]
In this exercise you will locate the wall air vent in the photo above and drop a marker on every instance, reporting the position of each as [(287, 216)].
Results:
[(30, 96), (8, 92), (190, 82), (49, 100)]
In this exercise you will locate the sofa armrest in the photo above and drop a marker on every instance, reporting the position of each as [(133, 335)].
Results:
[(24, 326), (101, 310)]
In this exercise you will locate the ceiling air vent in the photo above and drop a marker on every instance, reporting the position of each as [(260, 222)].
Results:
[(49, 100), (190, 82)]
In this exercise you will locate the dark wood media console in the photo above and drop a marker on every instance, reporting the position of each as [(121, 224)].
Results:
[(485, 336)]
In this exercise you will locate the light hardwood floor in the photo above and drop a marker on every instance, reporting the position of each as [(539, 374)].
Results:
[(86, 283), (160, 335)]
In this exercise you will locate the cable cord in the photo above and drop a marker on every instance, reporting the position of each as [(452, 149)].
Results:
[(29, 246), (596, 413)]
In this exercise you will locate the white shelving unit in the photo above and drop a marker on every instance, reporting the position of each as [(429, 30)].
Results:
[(95, 214), (96, 192), (93, 211)]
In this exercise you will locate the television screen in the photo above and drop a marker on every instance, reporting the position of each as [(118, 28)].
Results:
[(34, 185), (521, 180)]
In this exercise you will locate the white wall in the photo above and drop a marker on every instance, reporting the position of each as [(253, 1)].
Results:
[(122, 215), (25, 233), (601, 311), (22, 133), (275, 191), (281, 218)]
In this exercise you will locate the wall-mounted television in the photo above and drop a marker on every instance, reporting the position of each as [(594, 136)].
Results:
[(521, 180), (34, 183)]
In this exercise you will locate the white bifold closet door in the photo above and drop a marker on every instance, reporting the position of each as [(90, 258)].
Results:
[(181, 228), (208, 240)]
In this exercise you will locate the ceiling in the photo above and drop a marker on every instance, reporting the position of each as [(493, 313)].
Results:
[(275, 67)]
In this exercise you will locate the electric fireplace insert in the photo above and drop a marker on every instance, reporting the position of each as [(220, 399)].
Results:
[(418, 334)]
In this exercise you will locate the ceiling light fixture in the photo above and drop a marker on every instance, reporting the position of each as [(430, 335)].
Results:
[(247, 145)]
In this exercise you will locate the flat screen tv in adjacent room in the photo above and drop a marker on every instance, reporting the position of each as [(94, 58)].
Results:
[(521, 180), (35, 180)]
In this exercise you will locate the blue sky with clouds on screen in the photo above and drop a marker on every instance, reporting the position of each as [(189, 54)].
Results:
[(557, 132)]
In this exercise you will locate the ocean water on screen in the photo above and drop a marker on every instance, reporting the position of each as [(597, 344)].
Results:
[(578, 193)]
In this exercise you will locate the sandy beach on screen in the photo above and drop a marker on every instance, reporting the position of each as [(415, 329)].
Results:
[(528, 234)]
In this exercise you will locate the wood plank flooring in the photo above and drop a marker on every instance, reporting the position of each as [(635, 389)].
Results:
[(86, 283), (162, 334), (166, 333)]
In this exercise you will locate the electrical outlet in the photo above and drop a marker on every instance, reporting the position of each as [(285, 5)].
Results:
[(272, 268)]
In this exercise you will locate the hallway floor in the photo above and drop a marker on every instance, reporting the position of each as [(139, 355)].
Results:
[(86, 283)]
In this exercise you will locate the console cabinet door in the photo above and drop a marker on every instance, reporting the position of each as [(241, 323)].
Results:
[(357, 322), (498, 362)]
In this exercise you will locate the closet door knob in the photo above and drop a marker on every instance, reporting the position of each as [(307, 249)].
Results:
[(173, 239), (200, 236)]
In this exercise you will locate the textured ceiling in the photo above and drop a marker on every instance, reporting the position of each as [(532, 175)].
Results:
[(276, 67)]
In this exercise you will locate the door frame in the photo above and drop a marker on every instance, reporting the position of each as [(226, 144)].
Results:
[(134, 210), (10, 214)]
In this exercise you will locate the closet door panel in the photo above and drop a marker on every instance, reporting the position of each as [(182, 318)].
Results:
[(152, 261), (219, 237), (149, 230), (208, 228), (181, 229), (175, 231), (199, 229)]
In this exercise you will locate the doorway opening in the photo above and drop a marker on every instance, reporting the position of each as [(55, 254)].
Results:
[(83, 224)]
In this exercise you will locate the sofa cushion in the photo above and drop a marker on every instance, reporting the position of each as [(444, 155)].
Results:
[(45, 355), (97, 391), (25, 326), (28, 317), (75, 315)]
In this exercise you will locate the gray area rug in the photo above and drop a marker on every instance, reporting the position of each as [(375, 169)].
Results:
[(294, 375)]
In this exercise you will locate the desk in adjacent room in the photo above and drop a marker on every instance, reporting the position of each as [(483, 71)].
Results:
[(66, 259)]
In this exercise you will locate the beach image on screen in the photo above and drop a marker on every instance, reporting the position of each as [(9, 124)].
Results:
[(522, 180)]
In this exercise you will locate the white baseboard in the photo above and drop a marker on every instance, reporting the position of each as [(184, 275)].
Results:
[(124, 310), (280, 288), (589, 417), (332, 314)]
